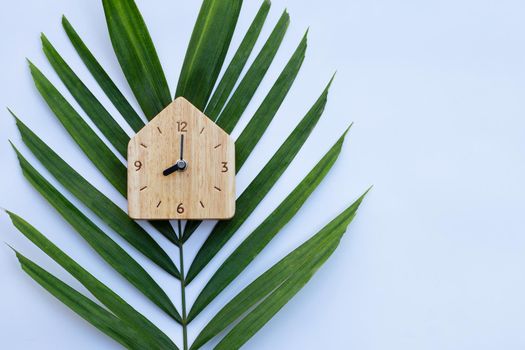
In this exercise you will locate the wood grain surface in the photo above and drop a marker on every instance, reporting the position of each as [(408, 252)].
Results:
[(204, 190)]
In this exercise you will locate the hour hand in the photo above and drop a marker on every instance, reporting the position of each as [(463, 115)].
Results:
[(180, 165), (171, 170)]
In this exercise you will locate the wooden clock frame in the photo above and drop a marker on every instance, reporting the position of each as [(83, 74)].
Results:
[(204, 189)]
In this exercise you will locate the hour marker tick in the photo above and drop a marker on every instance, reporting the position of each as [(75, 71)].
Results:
[(202, 205), (143, 188), (158, 205), (143, 145), (160, 131), (217, 188), (219, 145), (202, 130)]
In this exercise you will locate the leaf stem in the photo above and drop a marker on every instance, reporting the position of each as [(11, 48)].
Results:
[(183, 288)]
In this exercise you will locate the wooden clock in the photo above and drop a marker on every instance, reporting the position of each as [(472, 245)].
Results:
[(181, 165)]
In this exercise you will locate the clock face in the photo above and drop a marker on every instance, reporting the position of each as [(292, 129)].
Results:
[(181, 165)]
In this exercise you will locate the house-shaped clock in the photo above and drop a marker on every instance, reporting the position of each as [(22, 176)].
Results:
[(181, 165)]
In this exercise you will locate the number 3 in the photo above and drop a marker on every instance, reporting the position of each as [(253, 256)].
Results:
[(225, 167)]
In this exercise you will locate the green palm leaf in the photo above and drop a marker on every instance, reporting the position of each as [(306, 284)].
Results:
[(112, 91), (225, 102), (248, 85), (266, 231), (207, 49), (89, 103), (100, 318), (262, 117), (257, 318), (238, 62), (141, 66), (96, 150), (110, 251), (137, 55), (110, 299), (312, 252), (253, 132), (259, 187), (101, 205)]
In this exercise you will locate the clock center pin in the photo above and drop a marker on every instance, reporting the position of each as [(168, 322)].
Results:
[(182, 164)]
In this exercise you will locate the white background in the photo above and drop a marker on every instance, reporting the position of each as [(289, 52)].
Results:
[(436, 256)]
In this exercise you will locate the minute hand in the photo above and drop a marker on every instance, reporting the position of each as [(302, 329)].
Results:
[(181, 146)]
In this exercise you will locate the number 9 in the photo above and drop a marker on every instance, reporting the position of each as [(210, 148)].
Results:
[(138, 165)]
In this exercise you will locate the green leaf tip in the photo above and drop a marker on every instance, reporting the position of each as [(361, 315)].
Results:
[(304, 39), (361, 198), (307, 31), (14, 148), (324, 94), (33, 68), (332, 79), (13, 217), (17, 121), (347, 130), (45, 41), (13, 249), (11, 112), (368, 190), (285, 16)]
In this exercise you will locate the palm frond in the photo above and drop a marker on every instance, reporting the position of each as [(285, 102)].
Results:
[(258, 124), (94, 148), (313, 252), (259, 187), (85, 98), (225, 101), (137, 55), (266, 231), (253, 132), (248, 85), (99, 317), (109, 298), (108, 86), (207, 49), (237, 64), (95, 200), (110, 251)]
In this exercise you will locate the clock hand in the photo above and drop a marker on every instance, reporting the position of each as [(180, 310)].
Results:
[(181, 146), (171, 169), (181, 163)]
